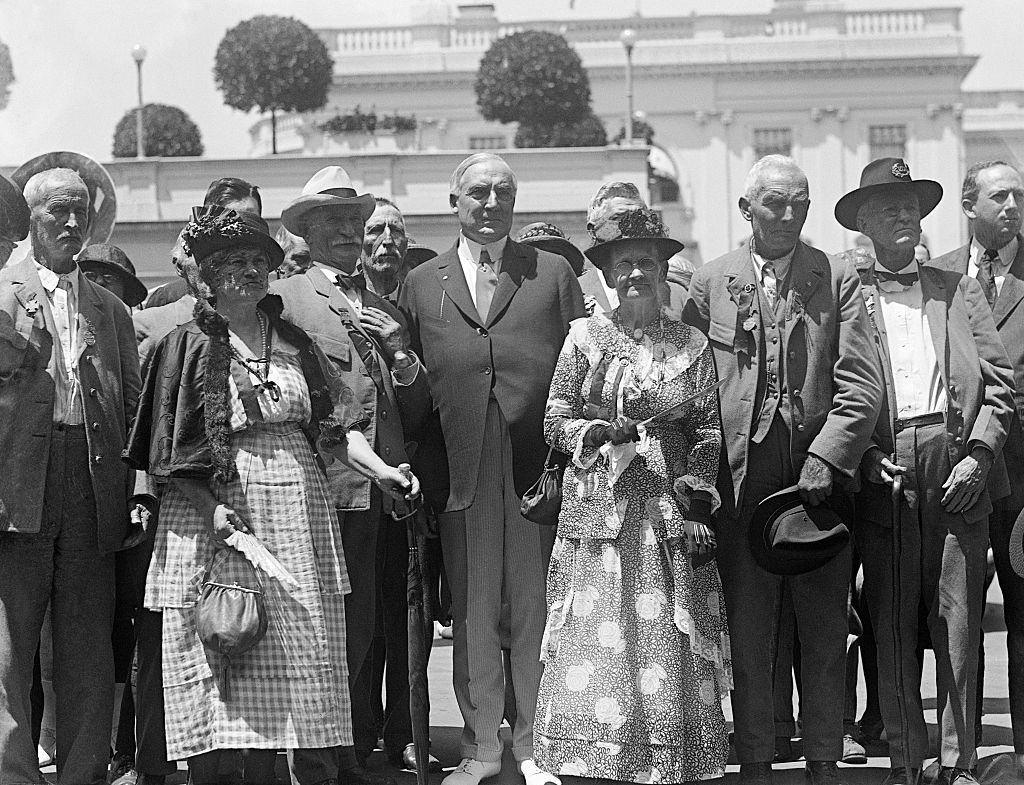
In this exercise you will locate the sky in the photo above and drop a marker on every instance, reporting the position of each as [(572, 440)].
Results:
[(75, 76)]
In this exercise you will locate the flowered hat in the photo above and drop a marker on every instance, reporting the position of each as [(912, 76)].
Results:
[(214, 228), (639, 224), (549, 237)]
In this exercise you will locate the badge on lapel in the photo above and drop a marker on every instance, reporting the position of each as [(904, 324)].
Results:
[(89, 333), (32, 306)]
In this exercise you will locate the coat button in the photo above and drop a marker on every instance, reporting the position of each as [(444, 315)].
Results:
[(796, 393), (486, 371), (958, 441), (95, 426), (775, 339), (952, 387), (97, 458), (799, 426), (387, 451), (384, 414), (482, 331), (92, 392)]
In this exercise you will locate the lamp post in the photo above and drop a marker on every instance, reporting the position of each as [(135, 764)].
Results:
[(139, 56), (628, 39)]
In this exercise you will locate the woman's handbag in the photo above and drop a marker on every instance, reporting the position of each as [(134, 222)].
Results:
[(230, 618), (543, 500)]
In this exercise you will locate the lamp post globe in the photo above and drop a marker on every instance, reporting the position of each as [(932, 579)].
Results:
[(139, 56), (628, 39)]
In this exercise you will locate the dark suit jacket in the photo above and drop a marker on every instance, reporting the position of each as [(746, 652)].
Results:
[(312, 303), (511, 354), (832, 376), (109, 375), (1008, 315)]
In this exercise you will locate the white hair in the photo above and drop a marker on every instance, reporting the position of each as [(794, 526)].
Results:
[(477, 158), (770, 163), (38, 185)]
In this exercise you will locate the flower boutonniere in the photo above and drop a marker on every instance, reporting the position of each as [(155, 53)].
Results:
[(796, 306)]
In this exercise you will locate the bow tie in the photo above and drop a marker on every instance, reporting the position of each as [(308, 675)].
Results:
[(356, 281), (903, 279)]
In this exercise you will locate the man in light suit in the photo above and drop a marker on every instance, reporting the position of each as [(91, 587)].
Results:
[(802, 389), (993, 200), (367, 341), (945, 415), (69, 385), (489, 317)]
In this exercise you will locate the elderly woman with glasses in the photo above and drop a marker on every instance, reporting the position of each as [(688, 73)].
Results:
[(235, 408), (635, 648)]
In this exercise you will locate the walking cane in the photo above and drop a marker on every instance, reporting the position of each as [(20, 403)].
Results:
[(897, 597)]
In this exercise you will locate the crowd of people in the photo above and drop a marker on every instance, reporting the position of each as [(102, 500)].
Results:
[(771, 466)]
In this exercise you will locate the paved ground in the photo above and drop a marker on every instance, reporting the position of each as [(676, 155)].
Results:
[(994, 763)]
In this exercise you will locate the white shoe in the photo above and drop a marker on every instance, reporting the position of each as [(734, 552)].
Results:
[(471, 771), (535, 775), (46, 757)]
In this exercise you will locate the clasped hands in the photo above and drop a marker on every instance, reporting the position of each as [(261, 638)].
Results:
[(962, 487), (619, 431)]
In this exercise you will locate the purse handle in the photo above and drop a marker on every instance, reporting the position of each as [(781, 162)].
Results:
[(222, 553)]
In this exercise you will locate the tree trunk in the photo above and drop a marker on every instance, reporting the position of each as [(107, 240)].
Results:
[(273, 131)]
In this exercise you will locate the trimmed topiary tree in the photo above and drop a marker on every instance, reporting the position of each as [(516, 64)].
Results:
[(274, 64), (587, 132), (167, 132)]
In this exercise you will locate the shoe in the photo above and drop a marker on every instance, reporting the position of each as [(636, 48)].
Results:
[(471, 771), (447, 633), (853, 751), (822, 772), (46, 757), (130, 777), (898, 776), (755, 774), (407, 760), (784, 752), (122, 770), (535, 775), (954, 776), (358, 775), (871, 729)]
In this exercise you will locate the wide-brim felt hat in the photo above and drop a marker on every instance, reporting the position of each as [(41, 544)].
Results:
[(882, 175), (788, 537), (14, 212), (417, 254), (550, 238), (640, 224), (102, 196), (214, 228), (111, 260), (331, 186)]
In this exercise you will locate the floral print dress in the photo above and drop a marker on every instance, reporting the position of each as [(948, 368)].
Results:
[(636, 645)]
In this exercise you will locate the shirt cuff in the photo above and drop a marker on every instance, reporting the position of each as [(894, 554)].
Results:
[(404, 377)]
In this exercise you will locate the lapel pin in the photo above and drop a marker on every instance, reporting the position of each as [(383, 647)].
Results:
[(89, 334), (748, 288), (32, 307)]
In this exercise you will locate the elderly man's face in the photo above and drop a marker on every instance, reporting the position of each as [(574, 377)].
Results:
[(335, 236), (777, 210), (385, 242), (603, 223), (997, 210), (485, 201), (892, 220), (189, 270), (60, 220), (297, 258)]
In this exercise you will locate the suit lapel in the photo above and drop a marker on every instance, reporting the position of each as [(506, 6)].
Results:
[(1012, 291), (510, 278), (452, 280), (91, 314), (28, 288), (804, 278), (936, 308)]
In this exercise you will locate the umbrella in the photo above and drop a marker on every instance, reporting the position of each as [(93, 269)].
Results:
[(420, 627)]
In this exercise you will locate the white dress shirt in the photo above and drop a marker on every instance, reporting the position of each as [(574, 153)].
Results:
[(469, 257), (771, 277), (915, 371), (1000, 266), (67, 399)]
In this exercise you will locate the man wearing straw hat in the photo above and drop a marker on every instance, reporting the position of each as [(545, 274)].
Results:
[(922, 523)]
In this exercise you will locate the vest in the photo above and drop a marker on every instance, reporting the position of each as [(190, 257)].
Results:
[(771, 376)]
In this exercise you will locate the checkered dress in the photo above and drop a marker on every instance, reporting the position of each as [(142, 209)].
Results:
[(291, 690)]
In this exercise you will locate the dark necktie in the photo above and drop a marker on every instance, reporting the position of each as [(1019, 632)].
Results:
[(985, 276), (356, 281), (486, 283), (903, 279)]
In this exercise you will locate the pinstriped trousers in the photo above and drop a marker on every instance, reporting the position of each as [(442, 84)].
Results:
[(493, 556)]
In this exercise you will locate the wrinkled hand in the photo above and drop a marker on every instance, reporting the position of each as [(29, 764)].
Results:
[(140, 516), (698, 538), (398, 484), (878, 468), (815, 481), (967, 480), (388, 333), (225, 523)]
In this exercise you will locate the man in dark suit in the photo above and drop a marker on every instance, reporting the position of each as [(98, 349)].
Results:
[(69, 385), (802, 389), (367, 341), (945, 415), (489, 317), (993, 200)]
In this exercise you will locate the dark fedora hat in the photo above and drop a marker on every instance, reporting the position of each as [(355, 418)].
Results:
[(790, 538), (102, 195), (215, 228), (14, 212), (417, 254), (639, 224), (550, 238), (882, 175), (111, 260)]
